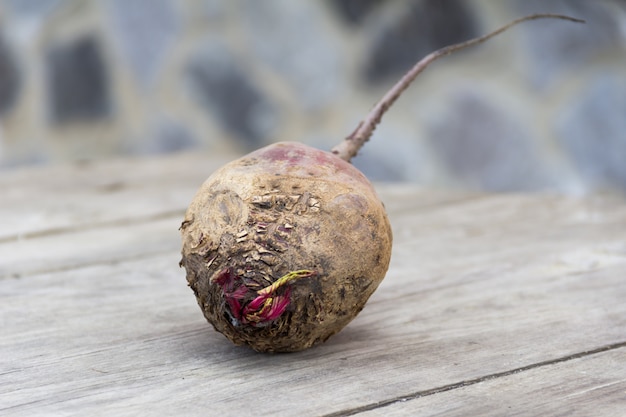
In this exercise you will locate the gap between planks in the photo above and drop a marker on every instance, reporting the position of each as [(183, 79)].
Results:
[(466, 383)]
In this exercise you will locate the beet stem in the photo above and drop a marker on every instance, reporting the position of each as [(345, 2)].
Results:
[(349, 147)]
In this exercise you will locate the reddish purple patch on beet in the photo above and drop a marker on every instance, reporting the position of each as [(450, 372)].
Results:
[(291, 154)]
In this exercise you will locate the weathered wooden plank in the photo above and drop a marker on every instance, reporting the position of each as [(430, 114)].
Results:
[(53, 252), (56, 198), (507, 232), (593, 385), (129, 336)]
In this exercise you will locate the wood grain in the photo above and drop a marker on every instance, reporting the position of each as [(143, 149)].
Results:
[(68, 197), (104, 244), (593, 385), (517, 293)]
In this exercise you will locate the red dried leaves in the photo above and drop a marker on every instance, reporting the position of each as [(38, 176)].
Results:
[(257, 307)]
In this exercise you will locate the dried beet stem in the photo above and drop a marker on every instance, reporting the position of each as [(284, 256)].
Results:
[(350, 146)]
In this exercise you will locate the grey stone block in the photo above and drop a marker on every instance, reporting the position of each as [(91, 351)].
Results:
[(10, 79), (291, 39), (484, 147), (77, 81), (593, 131), (222, 85), (354, 11), (172, 137), (394, 153), (557, 48), (163, 136), (426, 25), (144, 31)]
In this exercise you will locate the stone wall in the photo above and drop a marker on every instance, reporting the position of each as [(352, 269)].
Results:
[(542, 107)]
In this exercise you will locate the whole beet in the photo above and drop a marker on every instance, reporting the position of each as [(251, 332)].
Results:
[(284, 246), (286, 208)]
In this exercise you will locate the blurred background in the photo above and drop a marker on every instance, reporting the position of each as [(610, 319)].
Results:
[(542, 107)]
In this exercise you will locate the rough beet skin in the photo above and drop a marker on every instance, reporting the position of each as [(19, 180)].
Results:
[(284, 246)]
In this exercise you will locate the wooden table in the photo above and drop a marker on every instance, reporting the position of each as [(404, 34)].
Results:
[(494, 305)]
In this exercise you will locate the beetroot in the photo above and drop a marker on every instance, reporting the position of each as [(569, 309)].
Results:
[(284, 246), (285, 209)]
